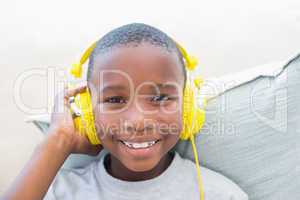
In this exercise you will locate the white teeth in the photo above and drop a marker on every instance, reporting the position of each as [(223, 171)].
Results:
[(139, 145)]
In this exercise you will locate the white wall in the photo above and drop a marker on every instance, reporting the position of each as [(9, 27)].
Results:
[(227, 36)]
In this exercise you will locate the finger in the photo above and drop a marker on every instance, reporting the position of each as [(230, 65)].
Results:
[(74, 91), (59, 103)]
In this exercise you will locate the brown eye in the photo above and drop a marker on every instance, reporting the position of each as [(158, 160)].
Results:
[(162, 97), (115, 100)]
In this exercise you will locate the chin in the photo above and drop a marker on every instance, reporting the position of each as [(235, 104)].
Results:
[(142, 165)]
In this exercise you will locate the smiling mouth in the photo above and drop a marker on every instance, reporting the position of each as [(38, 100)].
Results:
[(139, 145), (141, 150)]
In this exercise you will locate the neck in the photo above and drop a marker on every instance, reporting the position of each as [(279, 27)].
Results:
[(116, 169)]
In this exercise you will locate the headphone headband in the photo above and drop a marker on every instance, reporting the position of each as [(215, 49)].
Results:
[(76, 70)]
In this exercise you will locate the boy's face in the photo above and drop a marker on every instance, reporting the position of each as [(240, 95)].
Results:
[(137, 98)]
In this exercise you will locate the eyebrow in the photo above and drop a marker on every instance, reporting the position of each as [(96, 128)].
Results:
[(121, 87), (113, 87), (165, 85)]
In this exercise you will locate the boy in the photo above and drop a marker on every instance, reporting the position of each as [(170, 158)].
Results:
[(141, 94)]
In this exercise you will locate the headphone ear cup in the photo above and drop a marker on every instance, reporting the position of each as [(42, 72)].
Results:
[(192, 117), (85, 124), (186, 112)]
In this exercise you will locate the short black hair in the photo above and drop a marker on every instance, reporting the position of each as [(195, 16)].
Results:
[(133, 35)]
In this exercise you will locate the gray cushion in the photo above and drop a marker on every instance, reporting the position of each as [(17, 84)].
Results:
[(252, 135)]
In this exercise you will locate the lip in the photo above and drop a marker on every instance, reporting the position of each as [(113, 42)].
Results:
[(141, 153), (139, 140)]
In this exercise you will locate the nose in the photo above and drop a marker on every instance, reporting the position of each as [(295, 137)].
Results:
[(137, 120)]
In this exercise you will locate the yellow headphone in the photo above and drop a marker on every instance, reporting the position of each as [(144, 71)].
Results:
[(193, 117)]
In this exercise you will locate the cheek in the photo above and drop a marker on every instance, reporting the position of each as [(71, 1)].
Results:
[(170, 127), (172, 116), (105, 131), (106, 125)]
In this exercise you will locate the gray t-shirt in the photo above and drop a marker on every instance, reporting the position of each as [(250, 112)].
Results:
[(178, 181)]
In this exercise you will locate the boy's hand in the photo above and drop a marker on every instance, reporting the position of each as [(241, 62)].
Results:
[(62, 126), (62, 140)]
